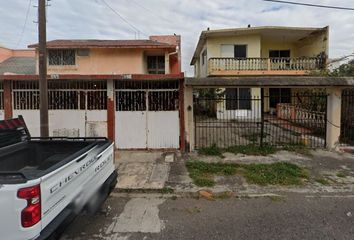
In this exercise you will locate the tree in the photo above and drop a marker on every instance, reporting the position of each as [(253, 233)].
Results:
[(344, 70)]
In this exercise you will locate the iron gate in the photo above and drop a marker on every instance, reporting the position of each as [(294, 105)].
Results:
[(147, 114), (227, 119), (347, 118)]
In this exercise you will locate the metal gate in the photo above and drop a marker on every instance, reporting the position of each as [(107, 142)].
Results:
[(234, 118), (77, 108), (347, 118), (147, 114), (2, 117)]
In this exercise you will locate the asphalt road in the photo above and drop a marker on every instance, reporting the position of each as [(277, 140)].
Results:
[(296, 216)]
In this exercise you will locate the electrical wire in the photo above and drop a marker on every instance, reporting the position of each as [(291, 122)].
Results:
[(150, 11), (25, 23), (123, 19), (311, 5)]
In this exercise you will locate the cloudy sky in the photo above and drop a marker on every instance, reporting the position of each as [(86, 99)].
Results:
[(77, 19)]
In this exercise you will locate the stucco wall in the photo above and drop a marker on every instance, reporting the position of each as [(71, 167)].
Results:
[(6, 53), (277, 45), (253, 43), (313, 45), (105, 61)]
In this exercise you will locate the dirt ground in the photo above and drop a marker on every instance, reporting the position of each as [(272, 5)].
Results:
[(329, 172)]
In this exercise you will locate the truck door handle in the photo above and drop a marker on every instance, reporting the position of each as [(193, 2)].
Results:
[(81, 158)]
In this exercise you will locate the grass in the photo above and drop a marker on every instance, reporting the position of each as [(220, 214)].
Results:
[(322, 181), (281, 173), (203, 173), (340, 175), (255, 150), (252, 149), (262, 174), (213, 150)]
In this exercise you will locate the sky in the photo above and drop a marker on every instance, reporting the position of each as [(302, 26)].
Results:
[(92, 19)]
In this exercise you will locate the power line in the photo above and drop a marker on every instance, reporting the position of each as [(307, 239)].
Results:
[(25, 23), (311, 5), (125, 20), (149, 10)]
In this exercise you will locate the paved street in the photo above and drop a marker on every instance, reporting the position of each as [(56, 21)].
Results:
[(150, 216)]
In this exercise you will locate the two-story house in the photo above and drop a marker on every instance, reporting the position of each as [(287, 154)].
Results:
[(157, 55), (122, 89), (259, 51)]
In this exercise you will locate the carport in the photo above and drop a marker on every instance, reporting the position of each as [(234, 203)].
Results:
[(309, 117)]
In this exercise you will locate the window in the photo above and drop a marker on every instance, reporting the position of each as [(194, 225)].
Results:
[(156, 64), (240, 51), (279, 53), (61, 57), (238, 98), (204, 56)]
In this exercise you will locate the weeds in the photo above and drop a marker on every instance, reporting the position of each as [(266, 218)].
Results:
[(263, 174), (340, 175), (252, 149), (322, 181), (281, 173), (213, 150)]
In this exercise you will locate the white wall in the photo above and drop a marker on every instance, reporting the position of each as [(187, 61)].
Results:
[(69, 123), (2, 115)]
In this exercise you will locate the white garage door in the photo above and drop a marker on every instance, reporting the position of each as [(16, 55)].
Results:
[(147, 116)]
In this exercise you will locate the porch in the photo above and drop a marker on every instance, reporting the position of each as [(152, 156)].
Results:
[(224, 66)]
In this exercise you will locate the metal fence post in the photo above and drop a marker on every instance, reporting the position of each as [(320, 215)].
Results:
[(262, 117)]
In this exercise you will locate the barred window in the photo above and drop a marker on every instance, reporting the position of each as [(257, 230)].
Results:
[(156, 64), (61, 57)]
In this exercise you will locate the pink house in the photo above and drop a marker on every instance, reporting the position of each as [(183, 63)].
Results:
[(130, 91)]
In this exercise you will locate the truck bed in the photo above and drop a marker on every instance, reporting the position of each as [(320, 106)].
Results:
[(35, 158)]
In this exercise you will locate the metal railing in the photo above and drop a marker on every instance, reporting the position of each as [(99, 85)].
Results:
[(265, 64)]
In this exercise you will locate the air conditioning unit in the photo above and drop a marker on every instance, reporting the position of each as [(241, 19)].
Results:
[(83, 52)]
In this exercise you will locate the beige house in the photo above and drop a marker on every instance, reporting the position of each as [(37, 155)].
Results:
[(259, 51)]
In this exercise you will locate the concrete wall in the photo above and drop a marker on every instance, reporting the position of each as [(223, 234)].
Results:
[(105, 61), (278, 45), (70, 123), (313, 45), (253, 43), (6, 53)]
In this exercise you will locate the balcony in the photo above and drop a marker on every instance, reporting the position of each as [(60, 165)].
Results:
[(264, 66)]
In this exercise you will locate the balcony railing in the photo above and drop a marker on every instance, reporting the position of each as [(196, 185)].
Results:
[(261, 66)]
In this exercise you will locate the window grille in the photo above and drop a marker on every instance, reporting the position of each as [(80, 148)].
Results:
[(61, 57), (69, 95)]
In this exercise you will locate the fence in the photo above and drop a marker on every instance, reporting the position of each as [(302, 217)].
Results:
[(263, 64), (347, 118), (69, 95), (228, 120), (1, 96)]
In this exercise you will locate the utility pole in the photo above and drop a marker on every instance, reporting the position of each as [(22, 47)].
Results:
[(42, 60)]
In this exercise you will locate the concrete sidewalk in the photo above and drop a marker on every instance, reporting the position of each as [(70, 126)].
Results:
[(142, 170)]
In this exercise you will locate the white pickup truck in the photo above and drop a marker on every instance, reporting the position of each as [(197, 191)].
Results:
[(46, 182)]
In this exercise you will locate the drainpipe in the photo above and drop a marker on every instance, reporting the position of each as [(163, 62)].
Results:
[(178, 56)]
